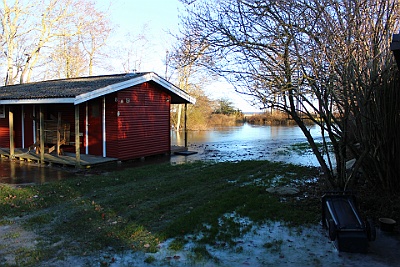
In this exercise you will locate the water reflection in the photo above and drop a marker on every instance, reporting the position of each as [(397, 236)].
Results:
[(246, 142), (243, 133), (241, 142), (19, 172)]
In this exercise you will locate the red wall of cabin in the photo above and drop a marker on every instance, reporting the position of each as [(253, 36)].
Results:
[(28, 126), (112, 145), (4, 130), (138, 122)]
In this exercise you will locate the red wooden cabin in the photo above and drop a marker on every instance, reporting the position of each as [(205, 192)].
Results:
[(123, 116)]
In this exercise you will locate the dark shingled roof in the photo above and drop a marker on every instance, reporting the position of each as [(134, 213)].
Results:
[(63, 88), (78, 90)]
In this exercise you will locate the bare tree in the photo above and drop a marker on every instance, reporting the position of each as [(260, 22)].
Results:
[(353, 44), (68, 59), (133, 50), (31, 29), (81, 41), (315, 60), (94, 28), (11, 18), (25, 34), (184, 59)]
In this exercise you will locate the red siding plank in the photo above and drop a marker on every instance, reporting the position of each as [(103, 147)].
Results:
[(142, 116)]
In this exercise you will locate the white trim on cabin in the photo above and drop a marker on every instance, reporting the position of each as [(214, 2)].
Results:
[(34, 123), (87, 128), (23, 126), (104, 91), (103, 122), (132, 82), (172, 88)]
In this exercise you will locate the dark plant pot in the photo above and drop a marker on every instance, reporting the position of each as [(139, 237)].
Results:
[(387, 224)]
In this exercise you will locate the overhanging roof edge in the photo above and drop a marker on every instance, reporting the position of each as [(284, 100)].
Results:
[(109, 89), (173, 88), (38, 101), (132, 82)]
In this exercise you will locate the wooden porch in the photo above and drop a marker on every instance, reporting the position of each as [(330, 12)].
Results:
[(68, 159)]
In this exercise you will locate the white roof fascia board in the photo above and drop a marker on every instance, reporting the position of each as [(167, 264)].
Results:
[(110, 89), (173, 89), (38, 101), (132, 82)]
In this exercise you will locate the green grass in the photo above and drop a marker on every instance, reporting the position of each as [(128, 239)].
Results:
[(140, 207), (305, 147)]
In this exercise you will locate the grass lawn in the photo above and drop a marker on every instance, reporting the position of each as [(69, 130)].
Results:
[(140, 207)]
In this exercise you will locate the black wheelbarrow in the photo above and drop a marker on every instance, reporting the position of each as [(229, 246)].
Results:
[(343, 222)]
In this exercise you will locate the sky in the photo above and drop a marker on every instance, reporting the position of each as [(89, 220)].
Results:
[(159, 18)]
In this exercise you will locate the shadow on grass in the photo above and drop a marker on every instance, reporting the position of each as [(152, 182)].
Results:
[(138, 208)]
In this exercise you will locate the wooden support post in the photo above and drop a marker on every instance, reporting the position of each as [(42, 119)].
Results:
[(186, 143), (58, 133), (11, 129), (77, 141), (41, 134), (23, 125), (103, 122)]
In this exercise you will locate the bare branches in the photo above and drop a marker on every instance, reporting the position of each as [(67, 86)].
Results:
[(304, 58), (32, 30)]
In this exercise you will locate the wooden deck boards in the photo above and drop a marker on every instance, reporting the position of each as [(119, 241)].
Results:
[(68, 159)]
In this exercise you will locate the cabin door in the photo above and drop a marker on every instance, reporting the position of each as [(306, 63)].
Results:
[(95, 140)]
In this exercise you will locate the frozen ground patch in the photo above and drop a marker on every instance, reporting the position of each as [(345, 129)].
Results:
[(271, 244)]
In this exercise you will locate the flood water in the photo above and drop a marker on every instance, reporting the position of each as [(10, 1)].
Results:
[(247, 142), (16, 172), (234, 143)]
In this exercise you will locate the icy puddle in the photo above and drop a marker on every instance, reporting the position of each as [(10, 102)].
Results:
[(272, 244)]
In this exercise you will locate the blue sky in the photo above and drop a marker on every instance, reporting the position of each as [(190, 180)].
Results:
[(160, 17), (157, 16)]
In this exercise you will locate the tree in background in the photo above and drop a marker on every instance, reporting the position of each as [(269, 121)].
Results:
[(226, 107), (131, 53), (24, 35), (93, 29), (189, 78), (327, 61), (81, 41), (67, 59), (31, 31)]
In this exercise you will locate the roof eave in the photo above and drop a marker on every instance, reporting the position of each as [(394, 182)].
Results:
[(132, 82), (38, 101), (172, 88)]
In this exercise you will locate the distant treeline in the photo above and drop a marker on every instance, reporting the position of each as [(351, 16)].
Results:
[(267, 118), (270, 118)]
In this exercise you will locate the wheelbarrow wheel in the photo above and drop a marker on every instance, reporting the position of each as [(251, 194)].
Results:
[(371, 230), (332, 230)]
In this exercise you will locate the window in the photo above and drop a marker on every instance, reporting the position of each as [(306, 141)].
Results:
[(2, 111), (95, 110)]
